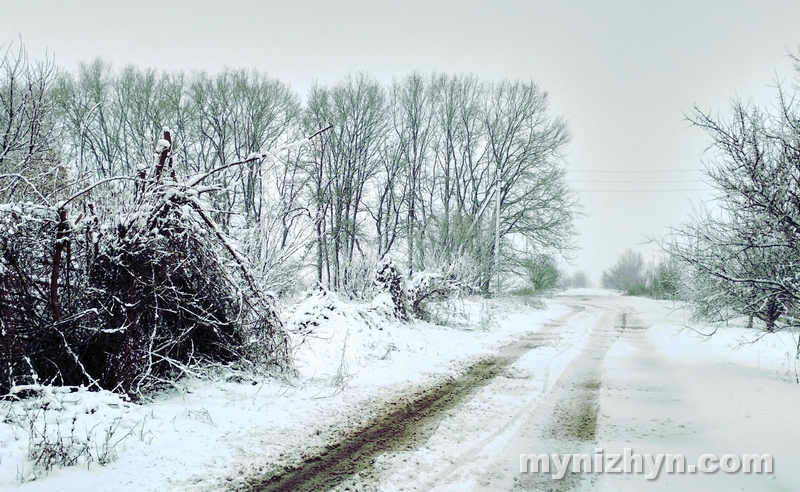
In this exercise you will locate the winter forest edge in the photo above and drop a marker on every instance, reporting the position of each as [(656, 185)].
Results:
[(151, 220)]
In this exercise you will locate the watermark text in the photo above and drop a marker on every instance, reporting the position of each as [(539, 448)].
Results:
[(651, 465)]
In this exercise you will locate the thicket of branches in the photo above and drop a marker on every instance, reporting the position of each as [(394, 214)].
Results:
[(741, 253), (111, 253), (127, 298)]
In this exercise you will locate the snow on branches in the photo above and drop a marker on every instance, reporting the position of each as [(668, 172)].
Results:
[(128, 301)]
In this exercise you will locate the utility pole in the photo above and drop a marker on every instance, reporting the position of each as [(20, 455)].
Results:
[(497, 231)]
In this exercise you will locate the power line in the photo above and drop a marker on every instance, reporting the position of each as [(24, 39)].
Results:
[(646, 191), (638, 171), (634, 182)]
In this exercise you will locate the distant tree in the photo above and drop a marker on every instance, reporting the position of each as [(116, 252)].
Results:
[(576, 280), (236, 113), (626, 273), (28, 127), (579, 280), (632, 276), (542, 272)]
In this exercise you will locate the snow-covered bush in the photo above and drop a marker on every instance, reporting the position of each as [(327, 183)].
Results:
[(383, 304), (167, 296), (428, 287), (389, 279), (444, 277), (127, 302), (318, 306)]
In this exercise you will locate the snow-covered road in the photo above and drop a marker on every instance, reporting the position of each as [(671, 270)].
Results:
[(545, 402), (616, 372)]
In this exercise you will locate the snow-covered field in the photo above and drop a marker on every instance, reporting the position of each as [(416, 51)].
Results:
[(663, 389)]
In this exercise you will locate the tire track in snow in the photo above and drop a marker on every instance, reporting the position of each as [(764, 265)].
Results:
[(573, 408), (405, 423)]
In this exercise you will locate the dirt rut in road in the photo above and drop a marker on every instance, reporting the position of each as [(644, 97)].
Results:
[(402, 424), (573, 420)]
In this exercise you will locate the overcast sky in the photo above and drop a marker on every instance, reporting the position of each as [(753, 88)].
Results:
[(622, 73)]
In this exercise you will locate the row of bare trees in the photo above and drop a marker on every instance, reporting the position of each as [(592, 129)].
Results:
[(106, 243), (414, 168), (409, 169)]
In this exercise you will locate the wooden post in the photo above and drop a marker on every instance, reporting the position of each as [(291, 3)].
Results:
[(165, 159)]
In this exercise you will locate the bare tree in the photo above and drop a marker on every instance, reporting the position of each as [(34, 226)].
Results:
[(412, 122), (28, 128), (626, 274), (455, 186), (524, 144), (495, 144), (344, 160), (742, 255), (391, 191)]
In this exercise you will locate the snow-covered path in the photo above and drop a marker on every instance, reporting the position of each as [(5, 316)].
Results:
[(620, 374), (665, 392), (545, 402)]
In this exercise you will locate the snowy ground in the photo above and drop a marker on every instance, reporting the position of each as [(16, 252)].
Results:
[(668, 392), (655, 387), (210, 434)]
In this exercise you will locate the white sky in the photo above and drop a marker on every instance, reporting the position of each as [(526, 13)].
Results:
[(622, 73)]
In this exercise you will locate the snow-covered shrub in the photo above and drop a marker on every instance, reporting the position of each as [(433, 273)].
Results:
[(433, 293), (276, 250), (127, 302), (383, 305), (167, 297), (357, 277), (429, 287), (318, 306), (172, 291), (449, 272), (389, 279)]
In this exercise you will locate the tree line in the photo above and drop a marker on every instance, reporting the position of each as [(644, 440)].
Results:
[(408, 169), (129, 190)]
